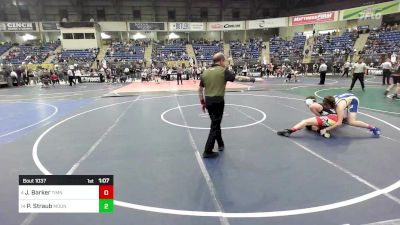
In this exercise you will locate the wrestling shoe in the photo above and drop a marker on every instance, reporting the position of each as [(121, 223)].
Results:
[(376, 131), (395, 97), (386, 93), (210, 155), (221, 148), (285, 133)]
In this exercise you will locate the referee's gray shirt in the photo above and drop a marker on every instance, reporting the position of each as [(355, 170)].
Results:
[(360, 67)]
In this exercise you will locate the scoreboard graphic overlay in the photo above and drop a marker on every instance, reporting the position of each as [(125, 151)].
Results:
[(66, 194)]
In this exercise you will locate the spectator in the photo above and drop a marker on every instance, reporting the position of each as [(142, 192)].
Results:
[(54, 78), (14, 77)]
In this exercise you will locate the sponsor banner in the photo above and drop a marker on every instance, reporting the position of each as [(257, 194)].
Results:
[(112, 26), (147, 26), (267, 23), (50, 26), (375, 72), (314, 18), (17, 26), (365, 27), (370, 11), (227, 25), (186, 26), (91, 79), (174, 76)]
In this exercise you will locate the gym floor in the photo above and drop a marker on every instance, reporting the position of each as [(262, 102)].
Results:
[(151, 142)]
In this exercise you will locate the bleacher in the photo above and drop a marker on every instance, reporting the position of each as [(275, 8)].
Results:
[(81, 57), (246, 51), (330, 44), (334, 46), (282, 50), (170, 51), (4, 48), (204, 51), (29, 53), (125, 52), (381, 43)]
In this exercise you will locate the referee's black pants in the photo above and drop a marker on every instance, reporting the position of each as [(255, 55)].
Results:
[(215, 108), (179, 78), (386, 77), (71, 80), (346, 72), (357, 76), (322, 76)]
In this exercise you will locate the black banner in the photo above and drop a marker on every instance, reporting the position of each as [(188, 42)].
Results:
[(50, 26), (76, 24), (146, 26)]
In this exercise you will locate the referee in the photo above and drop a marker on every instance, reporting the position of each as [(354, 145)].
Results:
[(322, 72), (211, 94), (359, 71), (387, 67)]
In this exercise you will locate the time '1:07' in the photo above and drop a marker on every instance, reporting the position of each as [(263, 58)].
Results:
[(104, 180)]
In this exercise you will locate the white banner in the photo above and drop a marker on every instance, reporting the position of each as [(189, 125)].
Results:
[(227, 25), (185, 26), (267, 23)]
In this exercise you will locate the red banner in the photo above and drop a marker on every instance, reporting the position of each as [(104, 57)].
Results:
[(313, 18)]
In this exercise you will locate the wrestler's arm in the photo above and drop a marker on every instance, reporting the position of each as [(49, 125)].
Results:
[(316, 109), (340, 114)]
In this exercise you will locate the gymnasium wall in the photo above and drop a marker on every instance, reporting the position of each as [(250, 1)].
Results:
[(370, 22), (80, 43), (338, 25), (233, 35), (288, 32), (51, 36)]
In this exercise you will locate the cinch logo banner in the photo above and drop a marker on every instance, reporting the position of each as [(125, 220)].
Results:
[(18, 26), (370, 11), (232, 25), (313, 18)]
